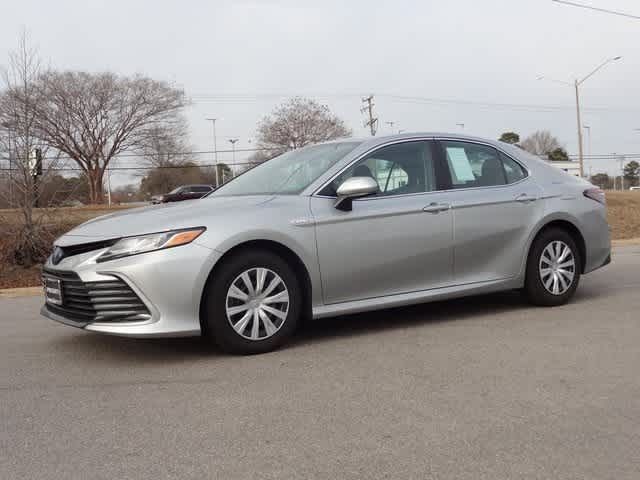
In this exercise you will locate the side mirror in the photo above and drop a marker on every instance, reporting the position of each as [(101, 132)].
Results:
[(354, 187)]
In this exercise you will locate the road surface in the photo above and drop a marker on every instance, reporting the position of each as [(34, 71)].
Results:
[(481, 388)]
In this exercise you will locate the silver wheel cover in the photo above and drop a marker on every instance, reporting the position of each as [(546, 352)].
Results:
[(557, 267), (257, 303)]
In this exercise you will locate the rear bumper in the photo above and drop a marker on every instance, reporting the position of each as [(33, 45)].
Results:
[(597, 237)]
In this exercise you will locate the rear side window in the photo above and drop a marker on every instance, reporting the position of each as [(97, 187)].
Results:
[(512, 169), (472, 165)]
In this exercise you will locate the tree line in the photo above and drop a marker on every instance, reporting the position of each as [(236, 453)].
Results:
[(543, 144)]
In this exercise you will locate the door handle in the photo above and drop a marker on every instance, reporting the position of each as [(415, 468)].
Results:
[(436, 207), (524, 198)]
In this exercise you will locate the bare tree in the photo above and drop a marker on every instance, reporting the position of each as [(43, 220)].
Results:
[(94, 117), (296, 123), (540, 143), (166, 145), (19, 144)]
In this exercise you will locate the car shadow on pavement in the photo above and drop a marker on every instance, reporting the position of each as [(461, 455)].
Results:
[(167, 350), (404, 317), (142, 350), (424, 313)]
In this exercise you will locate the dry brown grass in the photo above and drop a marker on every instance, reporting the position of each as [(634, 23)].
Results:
[(624, 218), (56, 221), (624, 214), (69, 215)]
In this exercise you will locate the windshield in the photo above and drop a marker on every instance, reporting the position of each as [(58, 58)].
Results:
[(175, 190), (289, 173)]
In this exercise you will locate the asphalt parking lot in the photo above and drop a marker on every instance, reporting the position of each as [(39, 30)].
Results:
[(481, 388)]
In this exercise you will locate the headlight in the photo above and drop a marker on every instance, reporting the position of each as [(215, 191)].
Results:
[(149, 243)]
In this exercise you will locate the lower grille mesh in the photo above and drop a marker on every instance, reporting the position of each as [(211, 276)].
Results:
[(103, 301)]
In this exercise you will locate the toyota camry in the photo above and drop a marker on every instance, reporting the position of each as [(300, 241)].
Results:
[(331, 229)]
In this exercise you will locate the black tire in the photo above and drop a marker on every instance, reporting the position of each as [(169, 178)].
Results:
[(216, 324), (534, 288)]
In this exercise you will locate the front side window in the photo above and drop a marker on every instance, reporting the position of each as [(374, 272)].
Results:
[(471, 165), (398, 169), (289, 173)]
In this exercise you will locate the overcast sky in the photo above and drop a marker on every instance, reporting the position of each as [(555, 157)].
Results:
[(479, 59)]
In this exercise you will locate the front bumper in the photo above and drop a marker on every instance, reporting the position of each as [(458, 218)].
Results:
[(168, 282)]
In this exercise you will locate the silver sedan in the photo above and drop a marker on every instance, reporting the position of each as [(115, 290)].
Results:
[(334, 228)]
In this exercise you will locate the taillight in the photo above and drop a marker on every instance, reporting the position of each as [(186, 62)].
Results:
[(595, 194)]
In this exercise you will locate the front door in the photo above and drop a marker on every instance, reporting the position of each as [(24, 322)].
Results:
[(397, 241)]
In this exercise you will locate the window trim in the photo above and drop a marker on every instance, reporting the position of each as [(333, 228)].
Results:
[(435, 144), (431, 144), (441, 151)]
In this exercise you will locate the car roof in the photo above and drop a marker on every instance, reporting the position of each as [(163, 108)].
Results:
[(376, 140)]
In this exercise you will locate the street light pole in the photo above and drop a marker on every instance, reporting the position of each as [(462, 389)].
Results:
[(576, 84), (615, 182), (588, 129), (215, 148), (580, 153), (233, 142)]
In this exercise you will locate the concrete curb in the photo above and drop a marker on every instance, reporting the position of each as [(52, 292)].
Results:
[(21, 292), (625, 242)]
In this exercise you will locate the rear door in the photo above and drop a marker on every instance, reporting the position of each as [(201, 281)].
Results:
[(495, 204)]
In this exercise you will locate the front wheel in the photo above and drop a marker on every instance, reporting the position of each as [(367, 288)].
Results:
[(253, 303), (553, 269)]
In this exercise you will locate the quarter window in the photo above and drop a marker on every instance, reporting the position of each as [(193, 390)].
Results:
[(398, 169), (512, 169), (472, 165)]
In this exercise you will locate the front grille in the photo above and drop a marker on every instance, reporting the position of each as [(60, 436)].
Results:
[(71, 250), (103, 301)]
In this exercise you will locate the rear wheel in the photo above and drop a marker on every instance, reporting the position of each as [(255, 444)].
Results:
[(253, 303), (553, 268)]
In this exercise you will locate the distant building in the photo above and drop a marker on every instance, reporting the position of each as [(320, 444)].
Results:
[(572, 168)]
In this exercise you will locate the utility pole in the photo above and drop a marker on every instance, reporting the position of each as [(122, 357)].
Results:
[(391, 124), (215, 148), (372, 122), (621, 159)]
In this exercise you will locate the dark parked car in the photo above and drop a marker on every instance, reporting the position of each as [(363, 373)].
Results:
[(186, 192)]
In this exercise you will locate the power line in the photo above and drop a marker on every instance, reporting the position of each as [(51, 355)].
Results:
[(597, 9), (146, 167), (156, 154), (254, 98)]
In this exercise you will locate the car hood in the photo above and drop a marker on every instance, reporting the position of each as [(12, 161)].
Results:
[(158, 218)]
